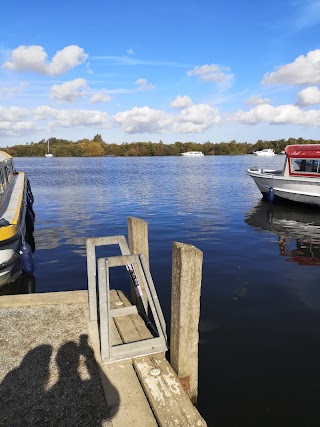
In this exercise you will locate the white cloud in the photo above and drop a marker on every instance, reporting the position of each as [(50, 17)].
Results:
[(34, 58), (99, 97), (13, 90), (304, 70), (282, 114), (16, 129), (143, 84), (69, 118), (181, 102), (16, 121), (13, 114), (213, 73), (143, 119), (308, 96), (87, 118), (196, 118), (256, 100), (69, 91), (130, 51)]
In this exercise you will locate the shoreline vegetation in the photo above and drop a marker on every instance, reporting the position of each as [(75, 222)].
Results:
[(99, 148)]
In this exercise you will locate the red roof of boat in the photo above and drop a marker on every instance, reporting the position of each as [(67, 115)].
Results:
[(310, 151)]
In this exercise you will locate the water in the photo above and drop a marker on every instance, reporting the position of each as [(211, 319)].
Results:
[(259, 341)]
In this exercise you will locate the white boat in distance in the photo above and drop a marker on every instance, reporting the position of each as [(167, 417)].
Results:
[(265, 152), (48, 154), (298, 181), (192, 153)]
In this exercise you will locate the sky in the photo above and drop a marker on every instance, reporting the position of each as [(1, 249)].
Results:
[(178, 70)]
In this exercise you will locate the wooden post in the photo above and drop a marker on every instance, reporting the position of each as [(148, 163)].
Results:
[(138, 237), (138, 244), (185, 314)]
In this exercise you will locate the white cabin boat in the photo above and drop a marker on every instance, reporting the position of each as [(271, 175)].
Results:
[(265, 152), (16, 220), (298, 181), (192, 153), (48, 154)]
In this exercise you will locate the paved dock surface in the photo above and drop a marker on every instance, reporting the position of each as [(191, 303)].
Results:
[(51, 372), (48, 372)]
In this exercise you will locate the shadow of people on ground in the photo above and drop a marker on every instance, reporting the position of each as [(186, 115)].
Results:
[(76, 398)]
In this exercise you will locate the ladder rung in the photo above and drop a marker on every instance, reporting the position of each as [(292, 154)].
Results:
[(124, 311)]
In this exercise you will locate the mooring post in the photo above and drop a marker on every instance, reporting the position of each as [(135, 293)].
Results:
[(138, 237), (138, 243), (185, 314)]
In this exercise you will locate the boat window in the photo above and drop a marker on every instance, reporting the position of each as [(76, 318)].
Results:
[(305, 166)]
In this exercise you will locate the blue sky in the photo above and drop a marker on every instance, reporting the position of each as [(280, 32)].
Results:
[(191, 70)]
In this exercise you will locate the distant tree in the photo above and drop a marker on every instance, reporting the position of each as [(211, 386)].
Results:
[(97, 138)]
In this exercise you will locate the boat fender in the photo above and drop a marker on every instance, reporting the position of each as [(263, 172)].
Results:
[(30, 220), (26, 258), (29, 191), (271, 195), (30, 199), (30, 208)]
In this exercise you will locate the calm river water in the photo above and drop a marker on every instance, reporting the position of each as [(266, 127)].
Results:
[(259, 346)]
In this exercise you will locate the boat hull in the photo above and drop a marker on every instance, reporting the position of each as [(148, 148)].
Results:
[(265, 152), (17, 218), (192, 154), (299, 190)]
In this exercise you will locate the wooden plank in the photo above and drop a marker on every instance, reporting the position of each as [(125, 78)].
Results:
[(169, 402), (115, 336), (48, 298), (131, 328)]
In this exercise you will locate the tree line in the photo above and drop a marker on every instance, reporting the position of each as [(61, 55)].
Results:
[(96, 147)]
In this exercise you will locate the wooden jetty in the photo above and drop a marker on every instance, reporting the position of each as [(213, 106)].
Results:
[(93, 379)]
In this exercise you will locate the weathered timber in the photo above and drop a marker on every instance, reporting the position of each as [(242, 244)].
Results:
[(138, 237), (185, 313), (48, 298), (138, 242), (168, 400)]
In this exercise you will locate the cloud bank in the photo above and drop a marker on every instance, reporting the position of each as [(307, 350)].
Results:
[(34, 58)]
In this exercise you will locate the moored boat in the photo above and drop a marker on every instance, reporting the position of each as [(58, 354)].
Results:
[(16, 220), (48, 154), (298, 181), (265, 152), (192, 153)]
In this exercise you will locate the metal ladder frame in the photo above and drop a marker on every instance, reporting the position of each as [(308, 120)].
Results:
[(110, 353)]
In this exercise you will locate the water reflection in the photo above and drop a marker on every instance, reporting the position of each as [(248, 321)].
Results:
[(297, 228), (24, 284)]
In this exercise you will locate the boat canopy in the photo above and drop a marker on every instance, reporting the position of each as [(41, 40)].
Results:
[(303, 151)]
